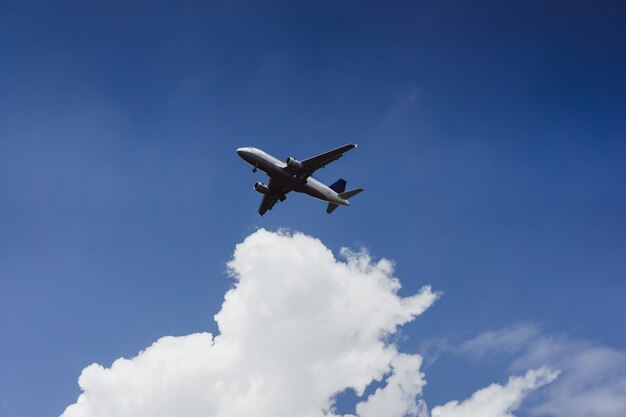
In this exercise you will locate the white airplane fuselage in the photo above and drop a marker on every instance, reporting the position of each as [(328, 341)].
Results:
[(279, 173)]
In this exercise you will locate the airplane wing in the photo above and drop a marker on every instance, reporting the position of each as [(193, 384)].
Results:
[(313, 164), (269, 199), (268, 202)]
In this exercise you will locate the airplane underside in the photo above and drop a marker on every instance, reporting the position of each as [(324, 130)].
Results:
[(294, 175)]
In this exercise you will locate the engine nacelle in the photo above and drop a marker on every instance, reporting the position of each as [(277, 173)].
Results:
[(293, 164), (261, 188)]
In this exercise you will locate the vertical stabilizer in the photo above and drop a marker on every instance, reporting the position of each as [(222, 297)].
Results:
[(339, 186)]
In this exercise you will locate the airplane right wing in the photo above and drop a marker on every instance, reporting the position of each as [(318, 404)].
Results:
[(272, 197), (268, 202)]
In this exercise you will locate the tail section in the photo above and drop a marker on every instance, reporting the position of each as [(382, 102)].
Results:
[(331, 207), (349, 194), (344, 195), (339, 186)]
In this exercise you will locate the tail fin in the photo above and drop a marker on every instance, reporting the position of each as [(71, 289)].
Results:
[(346, 195), (349, 194), (339, 186)]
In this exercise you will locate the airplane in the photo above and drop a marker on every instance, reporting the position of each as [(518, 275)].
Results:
[(294, 175)]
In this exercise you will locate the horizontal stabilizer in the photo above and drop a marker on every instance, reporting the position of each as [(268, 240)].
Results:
[(349, 194), (331, 207)]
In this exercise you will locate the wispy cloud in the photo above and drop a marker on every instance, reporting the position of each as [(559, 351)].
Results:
[(498, 400), (592, 380)]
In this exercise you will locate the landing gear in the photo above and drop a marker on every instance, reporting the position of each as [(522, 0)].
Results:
[(282, 197), (254, 169)]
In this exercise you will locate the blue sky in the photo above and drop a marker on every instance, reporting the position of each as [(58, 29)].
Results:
[(491, 147)]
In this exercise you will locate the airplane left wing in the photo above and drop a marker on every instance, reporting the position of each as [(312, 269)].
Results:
[(313, 164)]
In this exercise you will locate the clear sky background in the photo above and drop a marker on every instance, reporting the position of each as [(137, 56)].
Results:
[(492, 150)]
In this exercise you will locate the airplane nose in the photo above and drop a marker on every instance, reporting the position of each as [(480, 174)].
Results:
[(241, 151)]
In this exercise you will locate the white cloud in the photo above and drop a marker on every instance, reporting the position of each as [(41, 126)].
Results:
[(497, 400), (397, 398), (298, 327), (508, 340), (593, 377)]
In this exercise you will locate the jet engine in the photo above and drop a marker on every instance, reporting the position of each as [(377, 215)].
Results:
[(293, 164), (261, 188)]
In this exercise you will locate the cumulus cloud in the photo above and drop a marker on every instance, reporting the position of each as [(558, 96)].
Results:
[(397, 398), (298, 327), (592, 380)]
